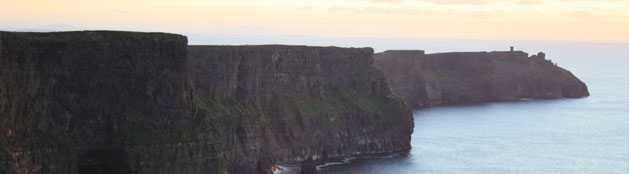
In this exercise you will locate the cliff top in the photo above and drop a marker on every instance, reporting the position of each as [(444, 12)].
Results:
[(421, 52), (280, 46), (405, 51), (478, 54), (481, 52), (90, 35)]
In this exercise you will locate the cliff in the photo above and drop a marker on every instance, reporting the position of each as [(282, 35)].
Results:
[(82, 102), (424, 80), (124, 102), (303, 102)]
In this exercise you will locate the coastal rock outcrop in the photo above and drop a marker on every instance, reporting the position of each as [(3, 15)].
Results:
[(424, 80), (125, 102)]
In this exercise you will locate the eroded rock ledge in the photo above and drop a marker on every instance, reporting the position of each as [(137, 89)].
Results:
[(125, 102), (424, 80)]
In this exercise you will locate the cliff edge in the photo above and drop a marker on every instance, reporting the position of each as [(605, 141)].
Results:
[(424, 80)]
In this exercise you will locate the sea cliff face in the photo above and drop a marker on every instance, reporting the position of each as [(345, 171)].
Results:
[(81, 102), (424, 80), (303, 102), (123, 102)]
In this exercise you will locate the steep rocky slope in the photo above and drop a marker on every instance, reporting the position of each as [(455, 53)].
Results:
[(123, 102), (424, 80), (81, 102), (303, 102)]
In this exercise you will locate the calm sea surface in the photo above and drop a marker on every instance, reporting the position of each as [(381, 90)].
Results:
[(587, 135)]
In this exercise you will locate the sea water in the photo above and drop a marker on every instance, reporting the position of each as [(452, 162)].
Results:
[(586, 135)]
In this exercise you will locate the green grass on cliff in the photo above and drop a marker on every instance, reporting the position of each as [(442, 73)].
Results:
[(361, 99), (314, 105), (219, 105), (344, 100), (372, 103), (215, 112), (286, 107), (4, 154), (341, 99), (218, 109)]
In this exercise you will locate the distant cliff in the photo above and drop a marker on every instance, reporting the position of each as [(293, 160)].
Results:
[(124, 102), (424, 80)]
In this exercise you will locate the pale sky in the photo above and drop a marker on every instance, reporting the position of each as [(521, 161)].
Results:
[(564, 20)]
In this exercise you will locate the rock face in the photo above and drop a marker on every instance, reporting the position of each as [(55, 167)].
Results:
[(299, 102), (424, 80), (123, 102), (82, 102)]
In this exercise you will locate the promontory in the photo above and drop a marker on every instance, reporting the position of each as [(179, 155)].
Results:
[(425, 80)]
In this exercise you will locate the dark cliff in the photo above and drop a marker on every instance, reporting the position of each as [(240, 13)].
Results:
[(299, 102), (78, 102), (424, 80), (123, 102)]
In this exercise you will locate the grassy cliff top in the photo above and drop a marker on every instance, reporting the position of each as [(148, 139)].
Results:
[(92, 35)]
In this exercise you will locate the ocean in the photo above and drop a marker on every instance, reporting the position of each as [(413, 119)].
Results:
[(585, 135)]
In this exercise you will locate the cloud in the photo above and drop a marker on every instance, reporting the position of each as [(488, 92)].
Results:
[(529, 2), (380, 10), (442, 2), (486, 14), (407, 11), (386, 1), (580, 14), (452, 2), (48, 28), (476, 13), (396, 11), (307, 8), (333, 9)]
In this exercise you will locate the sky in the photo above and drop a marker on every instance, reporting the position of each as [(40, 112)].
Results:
[(234, 21)]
